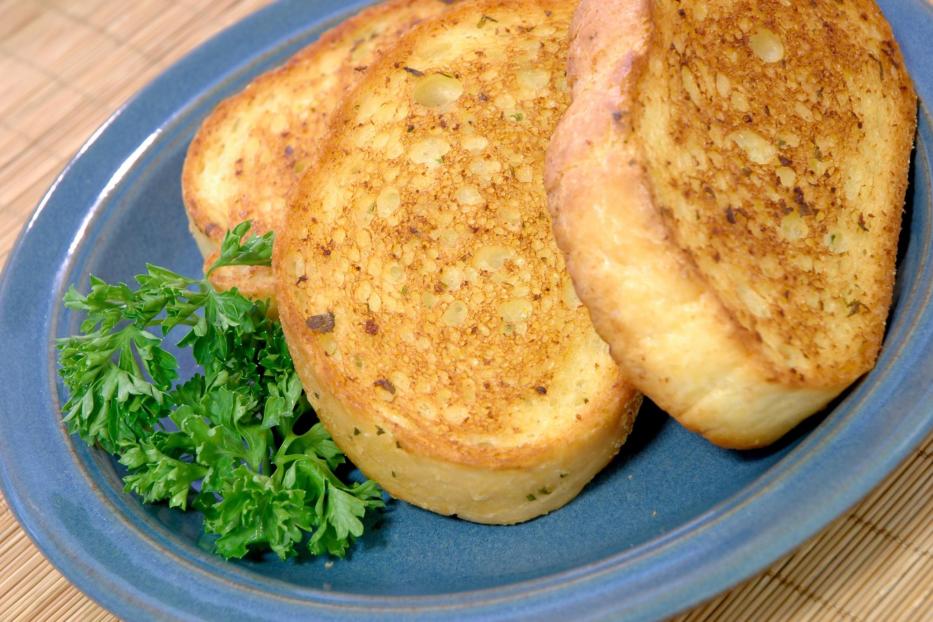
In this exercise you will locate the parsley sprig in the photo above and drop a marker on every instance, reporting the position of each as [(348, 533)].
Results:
[(229, 442)]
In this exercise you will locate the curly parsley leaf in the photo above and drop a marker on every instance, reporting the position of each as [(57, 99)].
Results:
[(237, 251), (117, 381), (254, 511), (225, 440), (157, 470)]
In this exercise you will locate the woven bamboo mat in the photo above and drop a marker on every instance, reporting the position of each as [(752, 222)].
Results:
[(65, 65)]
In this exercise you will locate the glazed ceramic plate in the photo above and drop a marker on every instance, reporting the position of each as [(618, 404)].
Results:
[(671, 522)]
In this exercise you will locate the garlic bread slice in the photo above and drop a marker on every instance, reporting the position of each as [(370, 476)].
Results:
[(425, 302), (727, 188), (251, 150)]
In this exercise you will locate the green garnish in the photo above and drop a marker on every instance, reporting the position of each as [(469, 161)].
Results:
[(231, 442)]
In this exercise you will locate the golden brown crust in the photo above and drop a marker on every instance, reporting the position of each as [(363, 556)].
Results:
[(722, 166), (770, 175), (509, 488), (250, 152), (421, 290)]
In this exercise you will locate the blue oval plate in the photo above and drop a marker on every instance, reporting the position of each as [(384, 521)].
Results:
[(673, 521)]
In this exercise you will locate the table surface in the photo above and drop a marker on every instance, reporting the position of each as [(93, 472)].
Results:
[(67, 64)]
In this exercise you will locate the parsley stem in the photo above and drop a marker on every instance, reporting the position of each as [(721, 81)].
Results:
[(290, 438), (281, 458)]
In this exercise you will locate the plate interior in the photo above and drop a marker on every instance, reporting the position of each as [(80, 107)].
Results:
[(664, 478)]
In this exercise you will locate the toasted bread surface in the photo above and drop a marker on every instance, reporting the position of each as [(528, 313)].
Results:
[(250, 152), (727, 187), (428, 309)]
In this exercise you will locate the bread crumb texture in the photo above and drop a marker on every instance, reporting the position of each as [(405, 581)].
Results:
[(775, 135), (425, 232), (253, 148), (427, 223)]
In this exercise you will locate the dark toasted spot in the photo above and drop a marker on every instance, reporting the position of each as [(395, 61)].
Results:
[(323, 323), (385, 384), (802, 205)]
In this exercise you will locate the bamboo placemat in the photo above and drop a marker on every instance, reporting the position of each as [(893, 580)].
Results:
[(65, 65)]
